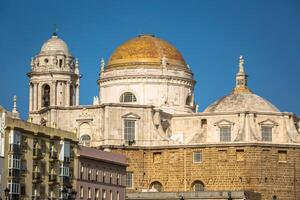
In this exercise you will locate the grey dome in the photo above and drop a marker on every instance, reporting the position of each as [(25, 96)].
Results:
[(239, 102)]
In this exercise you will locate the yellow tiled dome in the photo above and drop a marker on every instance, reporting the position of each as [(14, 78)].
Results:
[(146, 50)]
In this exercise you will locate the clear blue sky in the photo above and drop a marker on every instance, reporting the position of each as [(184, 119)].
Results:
[(210, 34)]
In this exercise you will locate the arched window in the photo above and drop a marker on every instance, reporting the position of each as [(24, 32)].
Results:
[(127, 97), (85, 140), (46, 95), (188, 101), (156, 186), (197, 186)]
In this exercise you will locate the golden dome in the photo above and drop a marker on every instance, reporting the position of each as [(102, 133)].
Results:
[(146, 50)]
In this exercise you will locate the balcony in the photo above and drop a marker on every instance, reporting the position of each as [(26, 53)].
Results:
[(15, 149), (36, 197), (36, 177), (14, 173), (52, 178), (37, 153), (53, 156)]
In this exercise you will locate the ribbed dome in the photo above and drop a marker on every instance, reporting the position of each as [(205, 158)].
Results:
[(240, 102), (146, 50), (55, 44)]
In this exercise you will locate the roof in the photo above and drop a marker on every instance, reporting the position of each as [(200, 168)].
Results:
[(241, 102), (95, 154), (146, 50)]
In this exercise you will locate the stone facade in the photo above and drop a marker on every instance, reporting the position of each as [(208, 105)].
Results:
[(271, 170), (100, 174)]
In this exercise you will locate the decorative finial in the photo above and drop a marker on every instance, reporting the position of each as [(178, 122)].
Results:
[(241, 79), (15, 110), (32, 63), (55, 30), (102, 64), (164, 61), (76, 63), (241, 64)]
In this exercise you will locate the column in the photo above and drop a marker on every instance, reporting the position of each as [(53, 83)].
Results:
[(39, 94), (34, 96), (67, 96), (30, 97), (52, 94), (77, 94)]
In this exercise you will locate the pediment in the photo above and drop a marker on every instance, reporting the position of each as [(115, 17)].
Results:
[(224, 122), (268, 122), (131, 115)]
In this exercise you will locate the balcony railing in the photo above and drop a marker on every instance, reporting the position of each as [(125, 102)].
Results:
[(15, 148), (52, 178), (37, 153), (36, 176), (53, 155), (14, 173)]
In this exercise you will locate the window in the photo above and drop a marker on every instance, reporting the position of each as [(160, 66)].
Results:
[(129, 130), (157, 157), (90, 174), (127, 97), (14, 162), (111, 195), (89, 193), (222, 155), (118, 195), (129, 179), (118, 179), (198, 186), (282, 156), (111, 178), (225, 134), (103, 178), (85, 140), (266, 133), (103, 194), (156, 186), (64, 170), (197, 157), (96, 194), (240, 155), (81, 172), (97, 174), (46, 95), (81, 192), (14, 188), (188, 101)]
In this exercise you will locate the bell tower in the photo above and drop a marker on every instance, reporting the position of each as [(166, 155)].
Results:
[(54, 78)]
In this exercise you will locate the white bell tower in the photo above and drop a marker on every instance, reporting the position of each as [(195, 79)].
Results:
[(54, 77)]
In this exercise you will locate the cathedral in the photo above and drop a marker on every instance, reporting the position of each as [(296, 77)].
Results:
[(146, 111)]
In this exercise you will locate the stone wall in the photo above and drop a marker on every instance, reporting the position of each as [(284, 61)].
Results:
[(267, 169)]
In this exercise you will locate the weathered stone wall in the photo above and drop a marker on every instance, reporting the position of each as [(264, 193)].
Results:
[(266, 169)]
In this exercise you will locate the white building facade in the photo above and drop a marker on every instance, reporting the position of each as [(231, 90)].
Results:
[(146, 98)]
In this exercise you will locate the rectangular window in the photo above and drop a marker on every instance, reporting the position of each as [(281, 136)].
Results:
[(197, 156), (96, 194), (157, 157), (14, 188), (225, 134), (64, 171), (103, 194), (129, 130), (89, 193), (14, 162), (129, 179), (266, 133), (240, 155), (81, 192), (222, 155), (282, 156)]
